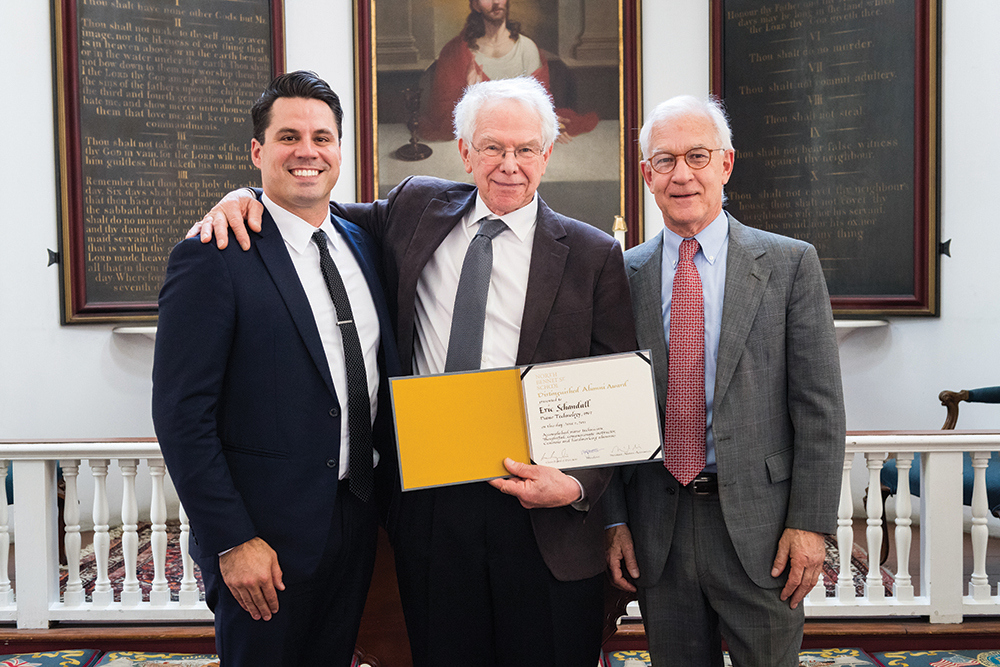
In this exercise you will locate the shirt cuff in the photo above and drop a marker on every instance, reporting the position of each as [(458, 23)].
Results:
[(581, 504)]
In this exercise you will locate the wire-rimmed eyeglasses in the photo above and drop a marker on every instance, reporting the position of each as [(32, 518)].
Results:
[(497, 153), (696, 158)]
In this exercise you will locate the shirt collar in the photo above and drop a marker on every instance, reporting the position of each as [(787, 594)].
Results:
[(294, 230), (521, 221), (711, 240)]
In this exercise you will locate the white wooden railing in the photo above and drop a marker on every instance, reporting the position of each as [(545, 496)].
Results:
[(942, 580), (38, 602)]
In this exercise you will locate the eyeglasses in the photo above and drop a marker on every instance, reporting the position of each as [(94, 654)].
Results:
[(495, 153), (696, 158)]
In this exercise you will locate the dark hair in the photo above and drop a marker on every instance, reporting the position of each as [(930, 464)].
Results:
[(294, 84), (475, 27)]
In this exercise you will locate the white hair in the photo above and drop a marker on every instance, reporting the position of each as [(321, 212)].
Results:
[(687, 105), (524, 89)]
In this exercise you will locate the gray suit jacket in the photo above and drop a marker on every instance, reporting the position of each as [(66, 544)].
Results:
[(574, 307), (779, 421)]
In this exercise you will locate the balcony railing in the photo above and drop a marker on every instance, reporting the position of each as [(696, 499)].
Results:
[(942, 578), (37, 600)]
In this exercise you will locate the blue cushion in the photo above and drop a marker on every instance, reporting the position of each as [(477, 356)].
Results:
[(984, 395)]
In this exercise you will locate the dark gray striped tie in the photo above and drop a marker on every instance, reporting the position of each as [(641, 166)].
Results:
[(465, 345), (362, 477)]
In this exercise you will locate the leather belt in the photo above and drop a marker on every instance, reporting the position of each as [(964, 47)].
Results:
[(705, 484)]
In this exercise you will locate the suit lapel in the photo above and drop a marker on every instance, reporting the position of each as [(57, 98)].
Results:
[(548, 258), (436, 222), (273, 253), (746, 280), (645, 279)]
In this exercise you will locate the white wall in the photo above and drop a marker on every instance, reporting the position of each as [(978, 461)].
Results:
[(85, 382)]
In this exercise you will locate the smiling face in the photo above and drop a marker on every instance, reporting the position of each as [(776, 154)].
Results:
[(299, 160), (690, 199), (504, 183)]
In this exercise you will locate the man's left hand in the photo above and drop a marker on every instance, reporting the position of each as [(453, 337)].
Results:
[(801, 551), (538, 486)]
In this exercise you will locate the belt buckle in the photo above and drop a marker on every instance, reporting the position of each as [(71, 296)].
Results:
[(701, 485)]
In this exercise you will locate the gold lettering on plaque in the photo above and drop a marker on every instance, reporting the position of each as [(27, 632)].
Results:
[(176, 83), (824, 158)]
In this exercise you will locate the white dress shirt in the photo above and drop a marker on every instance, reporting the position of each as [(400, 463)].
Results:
[(297, 234), (438, 285)]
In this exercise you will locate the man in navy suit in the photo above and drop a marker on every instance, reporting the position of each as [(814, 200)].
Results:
[(256, 378)]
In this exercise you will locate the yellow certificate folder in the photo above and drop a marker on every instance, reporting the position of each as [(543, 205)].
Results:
[(458, 427)]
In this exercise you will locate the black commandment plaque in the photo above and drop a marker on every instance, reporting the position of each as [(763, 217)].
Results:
[(153, 106), (833, 105)]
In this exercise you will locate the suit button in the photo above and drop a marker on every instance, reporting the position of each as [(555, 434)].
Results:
[(331, 463), (334, 412), (671, 490)]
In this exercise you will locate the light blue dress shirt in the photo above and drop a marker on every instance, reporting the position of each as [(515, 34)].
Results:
[(710, 260)]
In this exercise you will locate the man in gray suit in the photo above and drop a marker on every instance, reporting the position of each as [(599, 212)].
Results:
[(732, 550)]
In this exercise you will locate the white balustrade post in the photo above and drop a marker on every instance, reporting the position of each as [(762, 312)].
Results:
[(903, 586), (6, 592), (979, 586), (845, 535), (188, 595), (941, 576), (874, 588), (103, 595), (74, 595), (36, 558), (159, 594), (131, 594)]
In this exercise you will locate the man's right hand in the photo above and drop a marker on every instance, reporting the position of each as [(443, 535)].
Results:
[(618, 540), (231, 211), (252, 573)]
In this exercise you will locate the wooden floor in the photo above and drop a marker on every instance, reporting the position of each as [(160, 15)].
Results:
[(871, 636)]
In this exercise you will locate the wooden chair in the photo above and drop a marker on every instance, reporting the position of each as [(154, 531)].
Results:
[(951, 399)]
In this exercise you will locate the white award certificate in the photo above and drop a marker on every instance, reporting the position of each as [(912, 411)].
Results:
[(598, 411)]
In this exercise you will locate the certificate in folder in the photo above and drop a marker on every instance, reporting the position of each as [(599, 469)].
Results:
[(458, 427)]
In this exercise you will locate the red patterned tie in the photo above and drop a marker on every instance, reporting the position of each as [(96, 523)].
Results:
[(684, 437)]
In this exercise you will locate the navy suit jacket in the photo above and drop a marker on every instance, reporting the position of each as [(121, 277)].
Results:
[(576, 305), (244, 405)]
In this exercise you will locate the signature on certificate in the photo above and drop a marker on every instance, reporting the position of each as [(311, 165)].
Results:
[(555, 457), (626, 450)]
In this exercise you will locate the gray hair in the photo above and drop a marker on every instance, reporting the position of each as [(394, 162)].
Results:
[(524, 89), (687, 105)]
